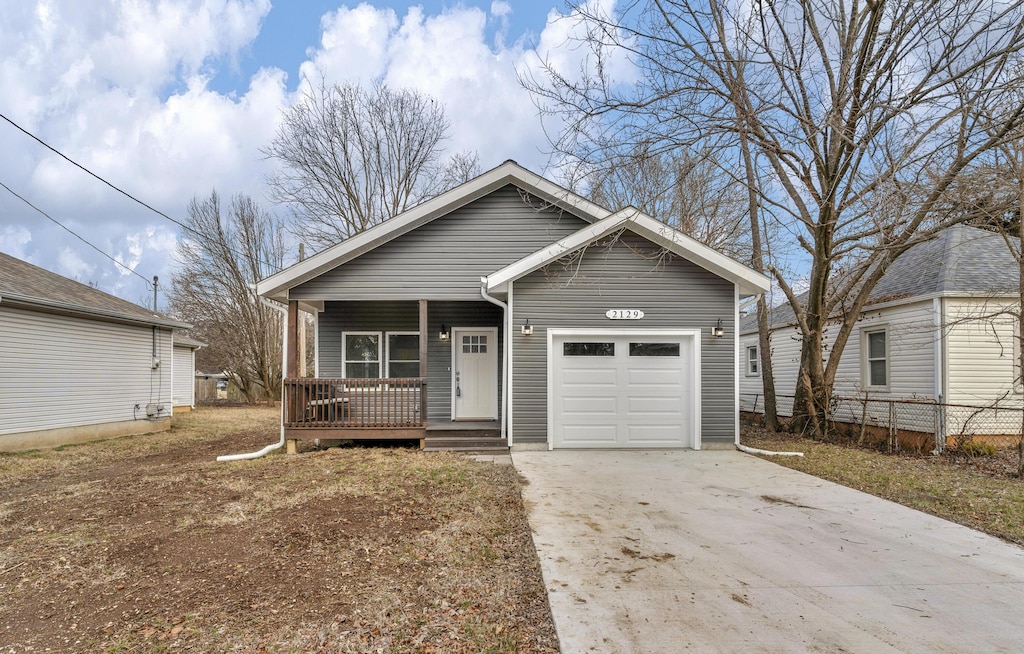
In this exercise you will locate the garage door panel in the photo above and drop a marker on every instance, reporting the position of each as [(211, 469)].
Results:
[(590, 436), (612, 399), (653, 376), (655, 437), (596, 376), (582, 406), (638, 408)]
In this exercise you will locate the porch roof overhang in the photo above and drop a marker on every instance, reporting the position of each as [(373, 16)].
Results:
[(276, 286), (747, 280)]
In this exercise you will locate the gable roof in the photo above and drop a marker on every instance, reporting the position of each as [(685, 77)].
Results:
[(26, 286), (960, 261), (276, 286), (748, 281)]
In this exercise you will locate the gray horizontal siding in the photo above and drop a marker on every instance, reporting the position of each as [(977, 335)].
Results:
[(58, 371), (339, 317), (446, 258), (630, 273)]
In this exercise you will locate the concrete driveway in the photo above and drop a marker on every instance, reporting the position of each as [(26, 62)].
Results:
[(718, 551)]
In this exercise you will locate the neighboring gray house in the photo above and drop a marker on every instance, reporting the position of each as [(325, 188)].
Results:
[(77, 364), (184, 389), (940, 327), (513, 310)]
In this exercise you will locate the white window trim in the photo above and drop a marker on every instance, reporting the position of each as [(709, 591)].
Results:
[(344, 349), (387, 350), (756, 360), (865, 360)]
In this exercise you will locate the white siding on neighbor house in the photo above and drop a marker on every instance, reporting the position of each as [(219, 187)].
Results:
[(59, 371), (911, 334), (981, 365), (184, 376)]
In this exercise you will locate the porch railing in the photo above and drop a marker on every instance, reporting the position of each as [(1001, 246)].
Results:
[(318, 403)]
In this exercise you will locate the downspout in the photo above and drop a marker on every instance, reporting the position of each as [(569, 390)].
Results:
[(504, 355), (284, 354)]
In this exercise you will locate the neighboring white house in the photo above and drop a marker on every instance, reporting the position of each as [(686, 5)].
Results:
[(184, 390), (77, 364), (939, 328)]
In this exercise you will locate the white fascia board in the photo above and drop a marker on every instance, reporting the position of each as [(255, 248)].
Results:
[(276, 286), (748, 281)]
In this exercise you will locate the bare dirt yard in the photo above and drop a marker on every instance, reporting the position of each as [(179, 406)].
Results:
[(146, 544)]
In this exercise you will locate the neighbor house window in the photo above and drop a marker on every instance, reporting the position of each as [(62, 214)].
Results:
[(753, 361), (876, 369), (373, 355)]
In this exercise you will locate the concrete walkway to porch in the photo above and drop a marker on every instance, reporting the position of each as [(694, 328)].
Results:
[(719, 551)]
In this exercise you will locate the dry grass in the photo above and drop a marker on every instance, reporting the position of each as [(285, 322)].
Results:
[(989, 501), (147, 544)]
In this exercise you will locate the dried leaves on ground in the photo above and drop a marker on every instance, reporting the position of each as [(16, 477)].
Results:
[(979, 492), (146, 544)]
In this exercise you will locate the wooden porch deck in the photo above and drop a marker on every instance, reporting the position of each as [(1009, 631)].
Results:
[(379, 409)]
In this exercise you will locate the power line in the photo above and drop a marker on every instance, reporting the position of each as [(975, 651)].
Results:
[(92, 174), (116, 188), (68, 230)]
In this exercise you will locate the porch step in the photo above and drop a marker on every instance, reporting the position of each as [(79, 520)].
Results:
[(476, 442)]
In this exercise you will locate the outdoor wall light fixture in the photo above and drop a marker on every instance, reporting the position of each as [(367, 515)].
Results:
[(443, 334), (527, 328), (718, 331)]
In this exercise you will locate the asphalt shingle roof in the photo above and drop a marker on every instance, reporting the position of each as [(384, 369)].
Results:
[(25, 284), (960, 261)]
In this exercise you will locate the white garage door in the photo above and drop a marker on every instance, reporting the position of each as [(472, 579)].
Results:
[(630, 390)]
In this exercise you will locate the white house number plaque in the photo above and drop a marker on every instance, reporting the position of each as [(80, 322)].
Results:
[(624, 314)]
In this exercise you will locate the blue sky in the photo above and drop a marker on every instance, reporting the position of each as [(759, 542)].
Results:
[(171, 99)]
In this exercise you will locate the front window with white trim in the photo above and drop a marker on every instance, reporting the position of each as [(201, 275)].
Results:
[(876, 358), (362, 355), (403, 354), (375, 355), (753, 361)]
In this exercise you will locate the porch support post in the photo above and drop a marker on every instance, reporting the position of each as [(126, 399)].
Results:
[(292, 360), (424, 335), (291, 367)]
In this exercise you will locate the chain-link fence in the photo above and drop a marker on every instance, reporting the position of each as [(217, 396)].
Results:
[(911, 424)]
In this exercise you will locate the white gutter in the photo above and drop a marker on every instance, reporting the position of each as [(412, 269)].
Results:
[(504, 355), (284, 362)]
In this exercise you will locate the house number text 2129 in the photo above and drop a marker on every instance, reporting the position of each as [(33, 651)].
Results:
[(624, 314)]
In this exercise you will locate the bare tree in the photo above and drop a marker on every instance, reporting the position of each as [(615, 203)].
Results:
[(352, 158), (688, 191), (220, 259), (864, 113)]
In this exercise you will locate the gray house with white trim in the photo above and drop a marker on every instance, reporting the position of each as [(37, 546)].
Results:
[(510, 310), (77, 364)]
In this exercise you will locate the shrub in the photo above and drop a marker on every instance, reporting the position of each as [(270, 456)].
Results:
[(978, 448)]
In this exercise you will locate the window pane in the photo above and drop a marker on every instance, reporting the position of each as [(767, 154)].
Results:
[(876, 345), (404, 369), (363, 370), (404, 347), (362, 347), (588, 349), (877, 369), (654, 349)]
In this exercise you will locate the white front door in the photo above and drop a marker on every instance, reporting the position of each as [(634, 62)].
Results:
[(475, 374)]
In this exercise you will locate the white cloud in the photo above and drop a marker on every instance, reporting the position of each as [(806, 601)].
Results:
[(123, 87)]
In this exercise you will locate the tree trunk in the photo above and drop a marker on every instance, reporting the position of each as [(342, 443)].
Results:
[(771, 417), (1020, 303)]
